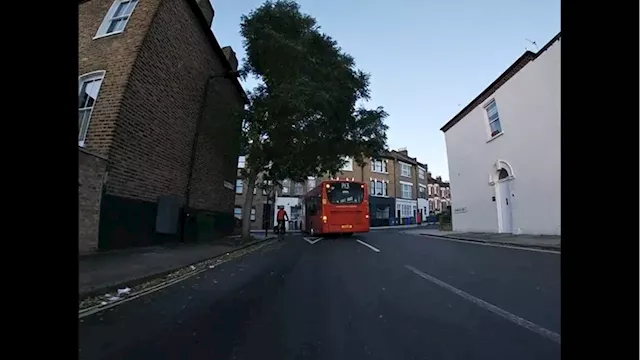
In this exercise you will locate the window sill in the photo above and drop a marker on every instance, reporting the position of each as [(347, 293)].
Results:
[(100, 36), (380, 196), (380, 172), (495, 137)]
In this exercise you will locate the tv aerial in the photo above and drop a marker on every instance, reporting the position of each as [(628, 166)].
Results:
[(532, 43)]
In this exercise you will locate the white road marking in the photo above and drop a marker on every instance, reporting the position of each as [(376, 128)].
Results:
[(494, 309), (312, 240), (367, 245), (494, 245)]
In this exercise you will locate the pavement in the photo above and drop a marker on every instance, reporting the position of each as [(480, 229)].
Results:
[(380, 295), (103, 271), (534, 241)]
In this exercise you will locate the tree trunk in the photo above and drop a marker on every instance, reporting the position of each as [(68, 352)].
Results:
[(250, 182)]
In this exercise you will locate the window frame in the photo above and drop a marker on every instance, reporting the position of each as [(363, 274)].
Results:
[(109, 18), (252, 215), (384, 187), (242, 162), (422, 189), (410, 187), (241, 182), (239, 215), (492, 103), (348, 165), (286, 185), (82, 80), (311, 181), (404, 166), (379, 166)]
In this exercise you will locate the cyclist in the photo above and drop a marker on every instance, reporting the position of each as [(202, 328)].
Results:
[(281, 217)]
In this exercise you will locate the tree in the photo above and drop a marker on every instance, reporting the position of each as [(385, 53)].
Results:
[(306, 114)]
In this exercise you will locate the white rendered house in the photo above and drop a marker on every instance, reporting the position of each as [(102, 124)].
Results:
[(503, 151)]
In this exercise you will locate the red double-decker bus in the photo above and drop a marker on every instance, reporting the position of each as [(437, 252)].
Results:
[(337, 207)]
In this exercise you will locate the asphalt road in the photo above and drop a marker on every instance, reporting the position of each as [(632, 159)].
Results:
[(414, 298)]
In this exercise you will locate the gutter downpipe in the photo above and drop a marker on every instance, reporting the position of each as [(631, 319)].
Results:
[(194, 147)]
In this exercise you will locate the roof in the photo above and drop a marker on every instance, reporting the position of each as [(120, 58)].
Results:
[(401, 157), (216, 46), (523, 60)]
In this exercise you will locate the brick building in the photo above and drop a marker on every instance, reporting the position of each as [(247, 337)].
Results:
[(439, 194), (158, 105), (397, 188)]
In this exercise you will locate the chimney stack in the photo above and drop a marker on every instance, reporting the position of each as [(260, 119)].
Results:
[(231, 56), (207, 10), (403, 151)]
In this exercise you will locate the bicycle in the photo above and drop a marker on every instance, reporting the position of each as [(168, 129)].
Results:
[(281, 231)]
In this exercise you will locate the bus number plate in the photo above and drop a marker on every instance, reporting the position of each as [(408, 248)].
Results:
[(347, 226)]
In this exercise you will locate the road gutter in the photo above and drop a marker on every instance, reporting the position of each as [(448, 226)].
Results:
[(137, 281), (497, 243)]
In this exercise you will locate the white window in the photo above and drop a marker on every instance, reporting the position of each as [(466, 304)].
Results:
[(266, 186), (494, 119), (420, 173), (298, 189), (378, 188), (239, 186), (311, 183), (406, 211), (405, 170), (348, 165), (429, 189), (422, 192), (241, 161), (88, 89), (116, 18), (237, 212), (406, 191), (285, 186), (379, 166), (253, 214)]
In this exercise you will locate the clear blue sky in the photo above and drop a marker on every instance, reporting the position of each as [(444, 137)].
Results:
[(427, 58)]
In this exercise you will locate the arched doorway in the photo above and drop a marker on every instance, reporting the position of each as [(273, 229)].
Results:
[(501, 179)]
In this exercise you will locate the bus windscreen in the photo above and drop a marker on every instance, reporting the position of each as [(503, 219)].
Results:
[(345, 193)]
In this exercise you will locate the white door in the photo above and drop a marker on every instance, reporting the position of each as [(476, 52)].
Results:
[(504, 204)]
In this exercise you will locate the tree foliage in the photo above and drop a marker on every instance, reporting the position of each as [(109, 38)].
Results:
[(303, 117)]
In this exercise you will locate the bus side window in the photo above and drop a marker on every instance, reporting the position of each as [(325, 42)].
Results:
[(313, 209), (314, 205)]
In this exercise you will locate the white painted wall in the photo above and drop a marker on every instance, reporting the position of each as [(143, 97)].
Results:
[(529, 109), (287, 202), (412, 203), (422, 204)]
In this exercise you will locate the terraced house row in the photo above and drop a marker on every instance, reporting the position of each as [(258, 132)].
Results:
[(402, 191)]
